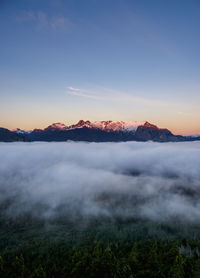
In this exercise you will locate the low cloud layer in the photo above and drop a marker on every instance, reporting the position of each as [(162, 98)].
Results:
[(160, 182)]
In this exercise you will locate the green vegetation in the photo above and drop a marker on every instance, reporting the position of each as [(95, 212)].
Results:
[(32, 248), (91, 258)]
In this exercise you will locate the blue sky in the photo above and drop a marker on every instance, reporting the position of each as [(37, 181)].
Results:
[(100, 60)]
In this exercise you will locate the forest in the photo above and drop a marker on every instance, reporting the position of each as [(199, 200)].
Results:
[(31, 248)]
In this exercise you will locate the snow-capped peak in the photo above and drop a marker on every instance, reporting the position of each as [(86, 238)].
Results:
[(56, 126), (129, 126), (103, 125), (117, 125), (81, 124)]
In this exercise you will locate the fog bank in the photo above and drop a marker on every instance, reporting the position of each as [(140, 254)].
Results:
[(160, 182)]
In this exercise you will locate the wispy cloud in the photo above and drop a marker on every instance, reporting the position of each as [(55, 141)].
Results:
[(82, 93), (73, 89), (111, 95), (42, 20)]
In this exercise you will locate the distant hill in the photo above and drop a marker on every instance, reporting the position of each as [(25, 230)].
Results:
[(9, 136)]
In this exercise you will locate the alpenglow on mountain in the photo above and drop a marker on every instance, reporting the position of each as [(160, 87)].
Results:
[(99, 131), (103, 125)]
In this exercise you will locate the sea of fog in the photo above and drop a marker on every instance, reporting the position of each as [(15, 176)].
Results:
[(153, 181)]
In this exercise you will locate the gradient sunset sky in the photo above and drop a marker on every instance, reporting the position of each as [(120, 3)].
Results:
[(66, 60)]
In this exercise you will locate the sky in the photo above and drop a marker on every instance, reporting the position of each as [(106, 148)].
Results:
[(131, 60)]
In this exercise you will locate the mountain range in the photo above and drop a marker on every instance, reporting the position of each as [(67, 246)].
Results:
[(102, 131)]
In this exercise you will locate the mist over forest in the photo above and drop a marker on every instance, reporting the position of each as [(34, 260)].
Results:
[(76, 209), (148, 181)]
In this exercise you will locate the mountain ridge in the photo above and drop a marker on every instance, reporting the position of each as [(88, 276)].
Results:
[(103, 125), (102, 131)]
